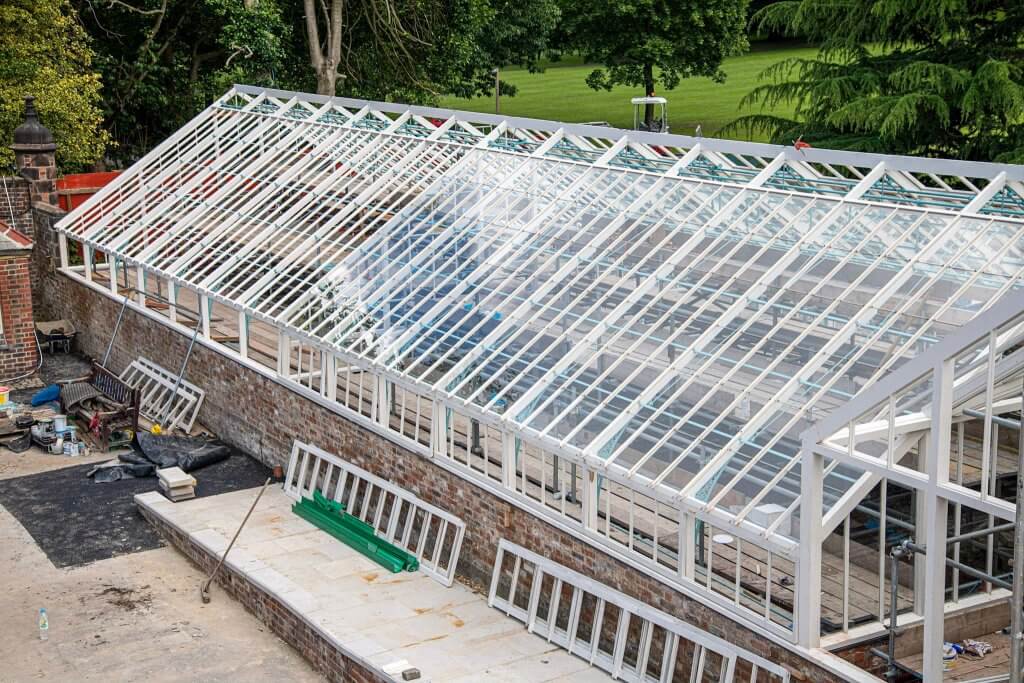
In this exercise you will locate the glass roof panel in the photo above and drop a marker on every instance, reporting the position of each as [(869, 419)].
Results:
[(676, 321)]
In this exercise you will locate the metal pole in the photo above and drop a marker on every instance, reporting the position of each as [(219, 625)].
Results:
[(1017, 599), (996, 419), (980, 532), (894, 580), (117, 326), (204, 589), (177, 383), (964, 569), (475, 447)]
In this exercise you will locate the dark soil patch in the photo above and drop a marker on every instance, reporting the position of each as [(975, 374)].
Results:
[(76, 521)]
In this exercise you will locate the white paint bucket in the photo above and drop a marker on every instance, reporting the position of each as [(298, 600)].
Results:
[(60, 423)]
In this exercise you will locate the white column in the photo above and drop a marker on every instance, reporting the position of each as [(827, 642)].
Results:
[(508, 459), (381, 400), (243, 335), (140, 286), (87, 258), (687, 545), (62, 242), (808, 577), (172, 300), (589, 498), (920, 533), (329, 378), (284, 349), (204, 315), (936, 508), (438, 430)]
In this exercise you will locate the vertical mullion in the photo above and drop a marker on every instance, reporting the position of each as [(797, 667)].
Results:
[(556, 598), (595, 632), (883, 510), (531, 612), (846, 574), (957, 509)]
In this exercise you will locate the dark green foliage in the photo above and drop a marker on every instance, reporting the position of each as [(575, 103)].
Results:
[(645, 42), (939, 77), (161, 61)]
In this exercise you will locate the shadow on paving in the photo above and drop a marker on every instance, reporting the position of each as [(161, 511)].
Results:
[(76, 521)]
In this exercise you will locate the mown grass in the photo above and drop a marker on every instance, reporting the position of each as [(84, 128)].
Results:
[(560, 93)]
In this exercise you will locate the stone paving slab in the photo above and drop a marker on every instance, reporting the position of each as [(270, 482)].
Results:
[(372, 616)]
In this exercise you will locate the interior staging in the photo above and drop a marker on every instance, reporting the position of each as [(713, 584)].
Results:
[(664, 342)]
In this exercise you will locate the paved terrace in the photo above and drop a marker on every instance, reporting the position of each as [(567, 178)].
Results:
[(372, 616)]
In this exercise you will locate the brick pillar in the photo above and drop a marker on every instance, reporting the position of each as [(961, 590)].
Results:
[(34, 155)]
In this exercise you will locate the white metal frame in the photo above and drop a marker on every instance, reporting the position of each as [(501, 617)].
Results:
[(608, 299), (580, 631), (987, 350), (160, 394), (433, 535)]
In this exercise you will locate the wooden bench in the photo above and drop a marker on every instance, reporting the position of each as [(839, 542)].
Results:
[(102, 397)]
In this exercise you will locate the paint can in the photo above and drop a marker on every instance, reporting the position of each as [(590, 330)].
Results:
[(60, 423), (5, 394)]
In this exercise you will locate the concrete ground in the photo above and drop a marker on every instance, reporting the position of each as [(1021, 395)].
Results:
[(374, 617), (128, 618)]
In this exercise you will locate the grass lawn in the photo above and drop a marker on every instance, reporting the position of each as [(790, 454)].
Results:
[(560, 93)]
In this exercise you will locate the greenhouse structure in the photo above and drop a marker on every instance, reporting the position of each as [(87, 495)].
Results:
[(771, 380)]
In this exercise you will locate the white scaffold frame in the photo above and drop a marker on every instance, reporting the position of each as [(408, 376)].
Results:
[(433, 535), (568, 635), (161, 394)]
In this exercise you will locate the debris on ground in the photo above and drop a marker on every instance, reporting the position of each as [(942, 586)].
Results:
[(128, 599), (189, 453), (976, 648)]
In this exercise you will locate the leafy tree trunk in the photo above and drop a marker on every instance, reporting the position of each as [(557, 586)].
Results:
[(324, 58), (649, 92)]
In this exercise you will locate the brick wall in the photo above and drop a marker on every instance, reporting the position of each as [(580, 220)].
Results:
[(15, 203), (18, 352), (262, 417)]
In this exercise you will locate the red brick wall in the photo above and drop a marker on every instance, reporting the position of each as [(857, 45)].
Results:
[(262, 417), (18, 352)]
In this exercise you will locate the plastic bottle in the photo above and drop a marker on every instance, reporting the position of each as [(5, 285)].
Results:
[(44, 624)]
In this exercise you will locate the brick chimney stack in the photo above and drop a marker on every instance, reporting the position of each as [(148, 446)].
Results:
[(34, 156)]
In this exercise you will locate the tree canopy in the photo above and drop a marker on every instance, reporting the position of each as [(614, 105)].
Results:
[(44, 52), (417, 50), (899, 76), (163, 60), (646, 42)]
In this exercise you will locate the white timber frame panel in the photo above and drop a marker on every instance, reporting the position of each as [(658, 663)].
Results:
[(433, 535), (162, 394), (600, 625)]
